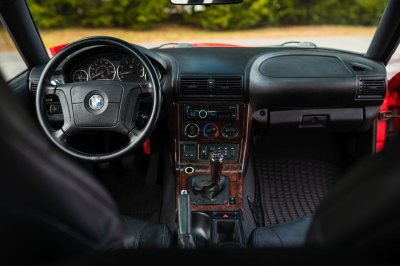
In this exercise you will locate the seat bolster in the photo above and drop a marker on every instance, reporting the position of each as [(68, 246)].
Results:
[(264, 237), (140, 233), (286, 235)]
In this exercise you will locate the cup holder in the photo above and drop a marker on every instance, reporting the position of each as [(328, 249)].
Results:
[(215, 230), (227, 231)]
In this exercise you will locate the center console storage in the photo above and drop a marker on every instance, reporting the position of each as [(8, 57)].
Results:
[(218, 229)]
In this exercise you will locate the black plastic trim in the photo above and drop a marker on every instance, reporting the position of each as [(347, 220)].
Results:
[(387, 35), (19, 23)]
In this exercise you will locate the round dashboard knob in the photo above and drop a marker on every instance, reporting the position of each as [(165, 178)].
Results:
[(203, 114), (210, 130), (192, 130)]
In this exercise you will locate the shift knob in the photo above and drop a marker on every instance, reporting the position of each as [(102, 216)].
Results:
[(216, 162)]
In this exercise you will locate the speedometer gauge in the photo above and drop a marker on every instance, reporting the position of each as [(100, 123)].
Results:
[(130, 70), (80, 75), (102, 69)]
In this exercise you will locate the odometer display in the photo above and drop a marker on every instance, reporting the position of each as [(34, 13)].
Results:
[(130, 70), (102, 69)]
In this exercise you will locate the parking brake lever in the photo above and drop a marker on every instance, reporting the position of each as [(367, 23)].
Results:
[(185, 237)]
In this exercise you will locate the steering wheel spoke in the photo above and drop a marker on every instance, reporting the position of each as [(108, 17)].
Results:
[(147, 89), (60, 137), (134, 135), (48, 90)]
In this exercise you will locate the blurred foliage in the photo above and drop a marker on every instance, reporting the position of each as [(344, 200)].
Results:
[(144, 14), (134, 14), (248, 14)]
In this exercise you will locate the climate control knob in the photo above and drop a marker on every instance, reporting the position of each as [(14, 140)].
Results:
[(210, 130), (203, 114), (192, 130)]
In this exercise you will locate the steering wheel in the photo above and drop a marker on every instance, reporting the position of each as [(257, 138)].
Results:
[(98, 106)]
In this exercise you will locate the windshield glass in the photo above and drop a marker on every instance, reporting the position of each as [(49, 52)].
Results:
[(346, 25)]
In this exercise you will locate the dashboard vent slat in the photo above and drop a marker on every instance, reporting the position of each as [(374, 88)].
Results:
[(33, 88), (193, 86), (359, 67), (206, 86), (372, 88), (56, 73), (228, 86)]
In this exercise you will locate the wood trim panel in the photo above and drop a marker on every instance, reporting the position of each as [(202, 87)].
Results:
[(232, 169)]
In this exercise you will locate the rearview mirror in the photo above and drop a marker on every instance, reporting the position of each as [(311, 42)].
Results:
[(205, 2)]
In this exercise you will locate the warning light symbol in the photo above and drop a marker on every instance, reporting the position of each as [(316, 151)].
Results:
[(225, 216)]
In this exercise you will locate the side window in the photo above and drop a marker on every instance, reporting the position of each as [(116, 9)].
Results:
[(11, 62)]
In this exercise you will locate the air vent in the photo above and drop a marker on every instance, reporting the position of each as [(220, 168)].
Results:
[(228, 86), (57, 73), (206, 86), (372, 88), (194, 86), (359, 68), (33, 88)]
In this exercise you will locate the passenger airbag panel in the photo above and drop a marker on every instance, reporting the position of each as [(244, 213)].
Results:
[(304, 66)]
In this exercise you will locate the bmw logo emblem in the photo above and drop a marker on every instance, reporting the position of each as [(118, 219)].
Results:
[(96, 102)]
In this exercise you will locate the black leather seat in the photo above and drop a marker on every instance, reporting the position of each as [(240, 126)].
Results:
[(290, 234), (360, 212), (50, 208)]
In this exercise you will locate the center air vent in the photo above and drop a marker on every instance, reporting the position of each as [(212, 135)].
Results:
[(194, 86), (371, 88), (216, 87)]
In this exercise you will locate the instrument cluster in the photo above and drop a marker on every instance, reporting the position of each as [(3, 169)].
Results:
[(110, 67)]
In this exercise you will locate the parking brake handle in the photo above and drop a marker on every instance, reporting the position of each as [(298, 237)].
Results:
[(185, 237)]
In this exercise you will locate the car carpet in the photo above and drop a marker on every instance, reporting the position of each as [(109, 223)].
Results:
[(290, 188), (134, 194)]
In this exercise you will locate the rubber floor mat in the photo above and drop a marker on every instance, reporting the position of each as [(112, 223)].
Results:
[(291, 188), (133, 198)]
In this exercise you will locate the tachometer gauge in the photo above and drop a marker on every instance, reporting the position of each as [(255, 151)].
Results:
[(102, 69), (80, 75), (131, 70)]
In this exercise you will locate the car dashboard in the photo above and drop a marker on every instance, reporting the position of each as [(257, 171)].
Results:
[(213, 98)]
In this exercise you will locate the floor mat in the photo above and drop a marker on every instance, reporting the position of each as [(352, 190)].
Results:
[(291, 188), (128, 188)]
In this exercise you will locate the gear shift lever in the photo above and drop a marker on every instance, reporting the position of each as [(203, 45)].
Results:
[(216, 162), (211, 188)]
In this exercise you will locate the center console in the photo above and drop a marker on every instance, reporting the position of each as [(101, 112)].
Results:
[(209, 150)]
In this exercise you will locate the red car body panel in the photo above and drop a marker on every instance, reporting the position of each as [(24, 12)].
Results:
[(391, 103)]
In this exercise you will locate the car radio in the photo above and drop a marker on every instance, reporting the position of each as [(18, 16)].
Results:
[(210, 112)]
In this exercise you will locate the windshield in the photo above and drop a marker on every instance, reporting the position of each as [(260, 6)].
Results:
[(346, 25)]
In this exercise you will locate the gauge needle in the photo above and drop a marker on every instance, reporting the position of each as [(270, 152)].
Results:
[(96, 75), (125, 73)]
